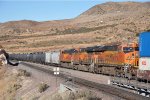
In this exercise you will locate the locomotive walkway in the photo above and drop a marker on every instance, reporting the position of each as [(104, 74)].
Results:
[(99, 84)]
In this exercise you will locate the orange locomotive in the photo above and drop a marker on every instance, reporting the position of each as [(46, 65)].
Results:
[(66, 58), (115, 59)]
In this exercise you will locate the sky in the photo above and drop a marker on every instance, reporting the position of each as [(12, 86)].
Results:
[(45, 10)]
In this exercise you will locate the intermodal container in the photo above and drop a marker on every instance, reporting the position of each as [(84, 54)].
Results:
[(144, 44), (55, 57), (144, 63), (52, 57), (48, 57)]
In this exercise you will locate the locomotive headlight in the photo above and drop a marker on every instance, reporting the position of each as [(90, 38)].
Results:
[(136, 55)]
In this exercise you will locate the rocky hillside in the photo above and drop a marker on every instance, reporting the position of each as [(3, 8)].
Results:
[(103, 23)]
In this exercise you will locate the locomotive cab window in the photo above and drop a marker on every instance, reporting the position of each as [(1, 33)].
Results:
[(136, 48), (128, 49)]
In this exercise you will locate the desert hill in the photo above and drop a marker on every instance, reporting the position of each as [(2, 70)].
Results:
[(103, 23)]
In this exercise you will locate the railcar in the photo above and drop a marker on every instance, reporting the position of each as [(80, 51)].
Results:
[(144, 62), (80, 58), (117, 59), (66, 58), (52, 58)]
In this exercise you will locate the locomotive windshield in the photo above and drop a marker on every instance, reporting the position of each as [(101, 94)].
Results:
[(128, 49), (136, 48)]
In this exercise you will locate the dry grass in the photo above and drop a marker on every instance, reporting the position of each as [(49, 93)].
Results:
[(10, 82), (80, 95), (13, 87), (2, 71)]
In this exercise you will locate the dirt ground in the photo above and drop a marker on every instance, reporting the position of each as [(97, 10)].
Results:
[(25, 83), (16, 85), (9, 83)]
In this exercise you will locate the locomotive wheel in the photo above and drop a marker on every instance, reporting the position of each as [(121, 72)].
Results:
[(75, 67), (108, 70), (92, 68), (95, 69), (128, 76)]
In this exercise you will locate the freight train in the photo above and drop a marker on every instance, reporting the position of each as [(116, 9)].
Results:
[(112, 59)]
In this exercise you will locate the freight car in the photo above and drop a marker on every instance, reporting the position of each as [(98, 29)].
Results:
[(50, 58), (144, 62)]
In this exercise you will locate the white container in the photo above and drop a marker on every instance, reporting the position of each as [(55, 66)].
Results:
[(144, 63), (55, 57), (52, 57), (48, 57)]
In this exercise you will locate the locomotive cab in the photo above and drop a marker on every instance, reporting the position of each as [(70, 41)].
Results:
[(131, 52)]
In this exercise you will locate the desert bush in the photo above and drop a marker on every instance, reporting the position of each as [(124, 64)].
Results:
[(86, 95), (35, 98), (137, 34), (68, 95), (14, 87), (80, 95), (43, 87), (83, 29), (56, 97), (148, 30), (22, 72), (75, 95)]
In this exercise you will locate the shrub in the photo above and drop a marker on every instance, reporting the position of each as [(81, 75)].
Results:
[(43, 87), (22, 72), (14, 87), (137, 34)]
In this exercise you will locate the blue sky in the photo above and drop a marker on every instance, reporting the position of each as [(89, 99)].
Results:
[(44, 10)]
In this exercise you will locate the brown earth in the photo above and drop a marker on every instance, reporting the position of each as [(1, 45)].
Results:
[(103, 23), (9, 83)]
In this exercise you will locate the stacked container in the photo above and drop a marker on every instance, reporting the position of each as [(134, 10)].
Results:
[(144, 50), (144, 47)]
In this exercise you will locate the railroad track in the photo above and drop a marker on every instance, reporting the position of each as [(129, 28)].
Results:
[(102, 87)]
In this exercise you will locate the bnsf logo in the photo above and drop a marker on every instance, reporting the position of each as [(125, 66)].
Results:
[(144, 62)]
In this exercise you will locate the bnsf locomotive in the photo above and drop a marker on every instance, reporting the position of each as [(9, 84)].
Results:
[(113, 59), (109, 59)]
